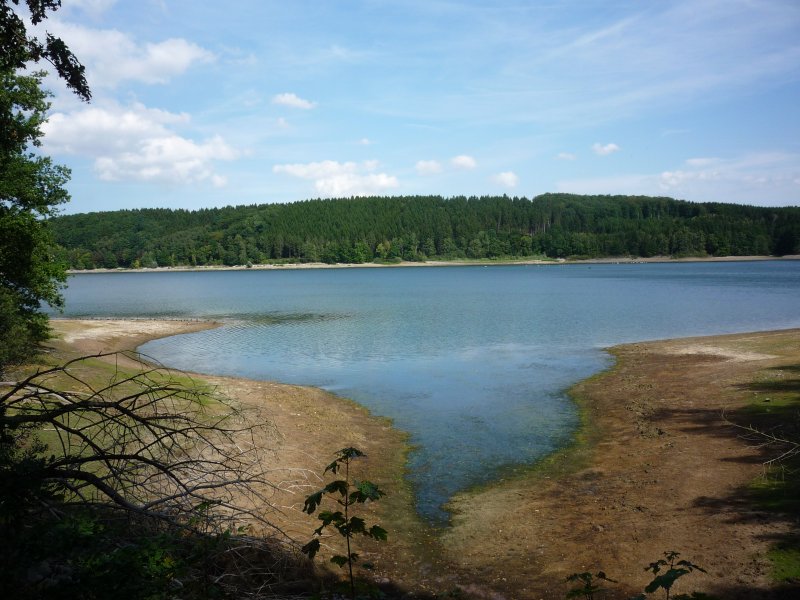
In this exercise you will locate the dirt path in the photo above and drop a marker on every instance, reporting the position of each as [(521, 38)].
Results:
[(657, 469)]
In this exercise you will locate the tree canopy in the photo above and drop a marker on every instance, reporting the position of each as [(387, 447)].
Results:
[(17, 47), (31, 189), (356, 230), (31, 185)]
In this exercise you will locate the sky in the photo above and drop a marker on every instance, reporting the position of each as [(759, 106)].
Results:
[(202, 104)]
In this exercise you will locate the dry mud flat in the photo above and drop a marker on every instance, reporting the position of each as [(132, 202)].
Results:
[(656, 468)]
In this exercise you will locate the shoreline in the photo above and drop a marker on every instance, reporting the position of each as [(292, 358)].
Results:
[(652, 468), (307, 425), (441, 263)]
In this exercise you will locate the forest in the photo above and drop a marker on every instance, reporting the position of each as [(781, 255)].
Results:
[(416, 228)]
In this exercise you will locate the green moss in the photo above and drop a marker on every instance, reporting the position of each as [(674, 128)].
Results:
[(785, 559)]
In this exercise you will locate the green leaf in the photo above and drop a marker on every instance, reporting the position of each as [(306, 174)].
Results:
[(339, 486), (377, 532), (339, 560), (366, 490), (327, 517), (357, 525), (312, 502), (348, 454), (311, 548)]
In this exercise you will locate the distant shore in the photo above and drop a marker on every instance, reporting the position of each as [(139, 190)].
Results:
[(443, 263)]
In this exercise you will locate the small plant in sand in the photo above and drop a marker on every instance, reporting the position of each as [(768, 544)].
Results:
[(589, 585), (666, 571), (347, 524)]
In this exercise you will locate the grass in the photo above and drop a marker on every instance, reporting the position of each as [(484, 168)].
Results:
[(785, 561), (775, 408)]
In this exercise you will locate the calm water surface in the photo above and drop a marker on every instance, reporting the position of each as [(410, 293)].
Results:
[(471, 361)]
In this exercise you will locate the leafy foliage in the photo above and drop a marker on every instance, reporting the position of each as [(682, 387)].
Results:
[(18, 48), (589, 584), (414, 228), (666, 571), (346, 524), (31, 188)]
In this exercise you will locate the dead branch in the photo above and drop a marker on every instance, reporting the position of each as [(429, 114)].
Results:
[(143, 440)]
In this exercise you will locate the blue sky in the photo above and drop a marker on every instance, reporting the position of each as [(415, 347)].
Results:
[(200, 104)]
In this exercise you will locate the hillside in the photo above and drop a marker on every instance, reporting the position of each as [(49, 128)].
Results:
[(358, 230)]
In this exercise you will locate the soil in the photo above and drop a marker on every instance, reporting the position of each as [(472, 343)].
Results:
[(655, 467)]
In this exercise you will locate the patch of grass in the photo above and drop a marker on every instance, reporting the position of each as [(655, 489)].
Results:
[(785, 559), (778, 490), (775, 410)]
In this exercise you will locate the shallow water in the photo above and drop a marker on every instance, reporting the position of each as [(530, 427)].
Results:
[(471, 361)]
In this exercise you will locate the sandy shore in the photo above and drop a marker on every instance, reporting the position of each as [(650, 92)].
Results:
[(306, 425), (445, 263), (655, 468)]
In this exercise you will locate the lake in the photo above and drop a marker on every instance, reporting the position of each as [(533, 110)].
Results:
[(472, 361)]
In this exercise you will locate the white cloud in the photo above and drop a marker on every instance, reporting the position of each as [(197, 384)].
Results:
[(428, 167), (766, 179), (111, 56), (316, 170), (605, 150), (566, 156), (365, 142), (351, 184), (463, 162), (507, 179), (334, 179), (702, 162), (136, 143), (293, 101)]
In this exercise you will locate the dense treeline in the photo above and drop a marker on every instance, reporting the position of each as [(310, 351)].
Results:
[(358, 230)]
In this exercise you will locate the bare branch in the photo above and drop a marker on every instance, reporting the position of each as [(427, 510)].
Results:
[(144, 441)]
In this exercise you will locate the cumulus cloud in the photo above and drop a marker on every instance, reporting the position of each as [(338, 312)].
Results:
[(605, 149), (428, 167), (293, 101), (766, 179), (463, 161), (335, 179), (507, 179), (136, 143), (351, 184), (111, 56), (565, 156)]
